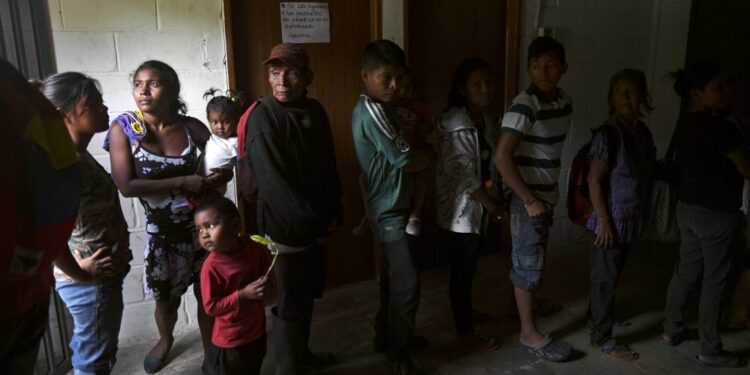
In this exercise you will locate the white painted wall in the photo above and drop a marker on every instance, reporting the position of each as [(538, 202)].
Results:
[(669, 31), (393, 21), (108, 39)]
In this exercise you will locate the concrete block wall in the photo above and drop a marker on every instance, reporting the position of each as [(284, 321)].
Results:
[(108, 39), (602, 37)]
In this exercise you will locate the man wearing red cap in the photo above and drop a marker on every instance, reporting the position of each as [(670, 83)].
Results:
[(291, 158)]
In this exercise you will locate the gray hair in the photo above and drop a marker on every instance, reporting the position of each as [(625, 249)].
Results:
[(65, 90)]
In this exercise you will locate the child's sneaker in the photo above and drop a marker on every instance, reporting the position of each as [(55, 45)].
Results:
[(413, 227)]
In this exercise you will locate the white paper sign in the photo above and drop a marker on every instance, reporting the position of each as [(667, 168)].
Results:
[(305, 23)]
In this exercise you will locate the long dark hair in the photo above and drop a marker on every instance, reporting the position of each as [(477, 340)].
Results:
[(464, 70), (66, 90), (168, 77), (696, 75)]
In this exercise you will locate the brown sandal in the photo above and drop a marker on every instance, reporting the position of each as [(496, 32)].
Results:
[(479, 343), (617, 350)]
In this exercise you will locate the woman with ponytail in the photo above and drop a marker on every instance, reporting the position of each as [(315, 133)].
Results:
[(712, 159), (154, 155), (100, 242)]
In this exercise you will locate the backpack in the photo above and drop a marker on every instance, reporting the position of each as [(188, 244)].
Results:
[(244, 175), (578, 200)]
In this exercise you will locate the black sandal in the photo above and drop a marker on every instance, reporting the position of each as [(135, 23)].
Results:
[(724, 359)]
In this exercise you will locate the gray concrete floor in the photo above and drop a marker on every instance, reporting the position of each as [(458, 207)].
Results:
[(342, 324)]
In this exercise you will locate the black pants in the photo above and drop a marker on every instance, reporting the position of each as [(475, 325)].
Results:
[(300, 279), (242, 360), (710, 242), (464, 250), (399, 298), (606, 267)]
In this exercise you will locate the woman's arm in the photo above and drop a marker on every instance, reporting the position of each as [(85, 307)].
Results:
[(459, 154), (597, 173), (198, 131), (483, 197), (741, 160), (123, 171)]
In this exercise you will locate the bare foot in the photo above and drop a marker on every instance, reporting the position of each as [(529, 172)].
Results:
[(531, 338)]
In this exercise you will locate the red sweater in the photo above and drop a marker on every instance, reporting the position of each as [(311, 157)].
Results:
[(238, 322)]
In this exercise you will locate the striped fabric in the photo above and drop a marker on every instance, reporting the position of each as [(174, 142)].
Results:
[(544, 126)]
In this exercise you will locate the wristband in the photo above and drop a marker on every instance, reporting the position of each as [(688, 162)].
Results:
[(527, 202)]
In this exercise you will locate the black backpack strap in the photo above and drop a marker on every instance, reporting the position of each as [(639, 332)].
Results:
[(612, 135)]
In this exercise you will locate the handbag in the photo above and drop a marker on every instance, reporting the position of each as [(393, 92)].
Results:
[(661, 216)]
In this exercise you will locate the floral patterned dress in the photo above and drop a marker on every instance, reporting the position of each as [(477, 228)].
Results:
[(172, 256)]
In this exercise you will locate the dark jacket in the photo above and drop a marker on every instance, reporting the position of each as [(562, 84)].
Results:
[(293, 165)]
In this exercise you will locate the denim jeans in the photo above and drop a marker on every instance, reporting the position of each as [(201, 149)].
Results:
[(710, 241), (529, 243), (606, 267), (399, 298), (97, 313)]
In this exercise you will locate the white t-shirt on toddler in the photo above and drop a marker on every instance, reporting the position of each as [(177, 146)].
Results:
[(219, 153)]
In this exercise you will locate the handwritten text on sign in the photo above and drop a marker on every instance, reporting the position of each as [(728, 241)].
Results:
[(305, 23)]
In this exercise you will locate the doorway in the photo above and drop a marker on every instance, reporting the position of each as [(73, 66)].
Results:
[(439, 35), (255, 27)]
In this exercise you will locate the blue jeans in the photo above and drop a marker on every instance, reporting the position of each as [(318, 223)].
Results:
[(529, 237), (97, 313)]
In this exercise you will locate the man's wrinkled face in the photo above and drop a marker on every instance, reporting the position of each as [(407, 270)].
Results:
[(287, 83)]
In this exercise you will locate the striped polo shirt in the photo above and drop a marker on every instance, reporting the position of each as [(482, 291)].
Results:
[(544, 126)]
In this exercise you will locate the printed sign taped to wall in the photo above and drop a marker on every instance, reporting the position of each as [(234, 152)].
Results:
[(305, 23)]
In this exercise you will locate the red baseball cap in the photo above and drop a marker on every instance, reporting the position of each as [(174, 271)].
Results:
[(290, 54)]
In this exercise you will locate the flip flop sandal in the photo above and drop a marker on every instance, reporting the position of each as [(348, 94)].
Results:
[(549, 350), (621, 351), (725, 359)]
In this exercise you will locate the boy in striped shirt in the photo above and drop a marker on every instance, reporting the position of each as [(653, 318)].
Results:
[(528, 157)]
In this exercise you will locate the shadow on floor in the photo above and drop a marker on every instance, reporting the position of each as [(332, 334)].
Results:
[(343, 324)]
